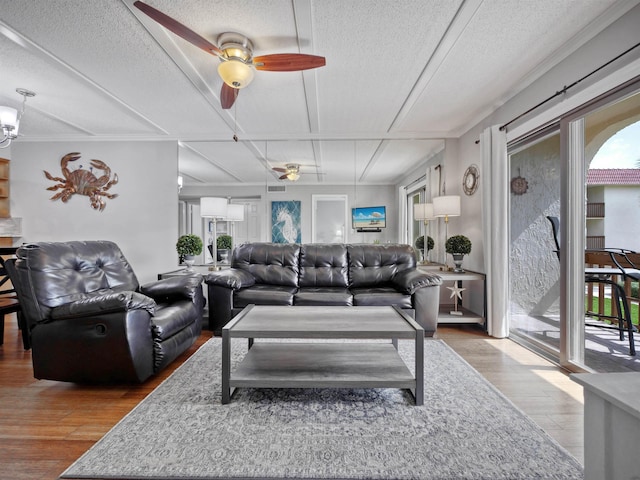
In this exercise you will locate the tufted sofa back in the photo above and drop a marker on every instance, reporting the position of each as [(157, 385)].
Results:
[(269, 263), (53, 274), (324, 265), (371, 265)]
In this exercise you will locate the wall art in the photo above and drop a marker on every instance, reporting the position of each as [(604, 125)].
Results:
[(285, 222), (83, 181)]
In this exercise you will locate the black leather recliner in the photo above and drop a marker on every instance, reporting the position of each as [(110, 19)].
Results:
[(89, 319)]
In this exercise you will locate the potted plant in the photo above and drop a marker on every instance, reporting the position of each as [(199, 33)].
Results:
[(458, 246), (224, 243), (420, 246), (188, 246)]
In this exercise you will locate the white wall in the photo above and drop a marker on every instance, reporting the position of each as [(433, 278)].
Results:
[(622, 217), (361, 196), (142, 220)]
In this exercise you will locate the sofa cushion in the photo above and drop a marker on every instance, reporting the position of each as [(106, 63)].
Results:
[(380, 296), (170, 318), (264, 295), (324, 265), (373, 265), (323, 296), (269, 263)]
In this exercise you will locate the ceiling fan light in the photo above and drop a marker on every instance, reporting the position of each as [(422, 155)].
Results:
[(293, 176), (235, 73)]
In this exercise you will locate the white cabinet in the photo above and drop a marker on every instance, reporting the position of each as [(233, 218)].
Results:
[(611, 424)]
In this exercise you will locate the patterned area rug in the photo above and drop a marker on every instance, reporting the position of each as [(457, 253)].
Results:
[(465, 430)]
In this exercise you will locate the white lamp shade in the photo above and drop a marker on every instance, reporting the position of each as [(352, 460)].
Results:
[(8, 116), (423, 211), (446, 206), (235, 213), (235, 73), (213, 207)]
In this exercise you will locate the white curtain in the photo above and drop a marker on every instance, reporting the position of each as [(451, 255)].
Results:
[(495, 208)]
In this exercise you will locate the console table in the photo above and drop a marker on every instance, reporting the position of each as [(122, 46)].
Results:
[(611, 424), (467, 316)]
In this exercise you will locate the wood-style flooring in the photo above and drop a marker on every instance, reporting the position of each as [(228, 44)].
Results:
[(45, 426)]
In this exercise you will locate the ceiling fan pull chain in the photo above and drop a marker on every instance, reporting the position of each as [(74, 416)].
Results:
[(235, 123)]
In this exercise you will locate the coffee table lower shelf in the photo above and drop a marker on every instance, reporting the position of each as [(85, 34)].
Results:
[(322, 365)]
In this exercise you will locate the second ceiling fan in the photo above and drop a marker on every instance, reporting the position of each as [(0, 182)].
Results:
[(235, 52), (291, 171)]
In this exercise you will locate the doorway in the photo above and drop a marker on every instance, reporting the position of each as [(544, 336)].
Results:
[(329, 218)]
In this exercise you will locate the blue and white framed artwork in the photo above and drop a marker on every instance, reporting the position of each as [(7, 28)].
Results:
[(285, 222)]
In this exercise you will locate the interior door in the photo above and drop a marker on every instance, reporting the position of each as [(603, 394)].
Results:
[(329, 219)]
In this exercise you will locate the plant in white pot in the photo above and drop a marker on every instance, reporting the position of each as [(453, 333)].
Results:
[(458, 246), (188, 246), (420, 245), (224, 243)]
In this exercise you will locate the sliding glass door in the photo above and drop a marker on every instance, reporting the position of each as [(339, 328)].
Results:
[(549, 183), (534, 305)]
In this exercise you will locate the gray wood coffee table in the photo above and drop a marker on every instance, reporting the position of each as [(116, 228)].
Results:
[(322, 364)]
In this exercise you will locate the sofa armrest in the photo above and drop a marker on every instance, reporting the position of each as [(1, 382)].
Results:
[(231, 278), (408, 281), (99, 303), (173, 287)]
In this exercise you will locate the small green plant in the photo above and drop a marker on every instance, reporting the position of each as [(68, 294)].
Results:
[(458, 244), (189, 244), (420, 243), (223, 242)]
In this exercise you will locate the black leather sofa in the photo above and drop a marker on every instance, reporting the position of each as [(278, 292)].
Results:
[(323, 274), (89, 319)]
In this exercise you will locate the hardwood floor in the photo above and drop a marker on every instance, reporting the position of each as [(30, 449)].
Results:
[(45, 426)]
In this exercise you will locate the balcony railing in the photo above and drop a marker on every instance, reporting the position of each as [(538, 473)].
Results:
[(595, 210), (602, 259), (595, 242)]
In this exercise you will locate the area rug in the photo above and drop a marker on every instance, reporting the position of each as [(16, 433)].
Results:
[(466, 429)]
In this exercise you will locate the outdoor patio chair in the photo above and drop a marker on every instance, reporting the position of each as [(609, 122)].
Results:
[(606, 275)]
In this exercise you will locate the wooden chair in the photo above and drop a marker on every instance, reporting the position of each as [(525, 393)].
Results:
[(9, 300)]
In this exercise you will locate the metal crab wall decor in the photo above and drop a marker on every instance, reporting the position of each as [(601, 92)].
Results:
[(83, 182)]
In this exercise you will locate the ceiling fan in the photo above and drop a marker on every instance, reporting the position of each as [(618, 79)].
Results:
[(235, 52), (291, 171)]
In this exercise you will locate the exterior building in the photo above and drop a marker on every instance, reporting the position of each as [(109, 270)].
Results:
[(613, 208)]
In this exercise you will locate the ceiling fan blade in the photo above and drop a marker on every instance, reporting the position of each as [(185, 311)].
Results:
[(177, 28), (228, 96), (288, 62), (283, 177), (278, 169)]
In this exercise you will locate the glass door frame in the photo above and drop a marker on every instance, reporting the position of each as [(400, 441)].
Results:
[(573, 227)]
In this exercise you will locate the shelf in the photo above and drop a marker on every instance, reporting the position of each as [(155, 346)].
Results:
[(444, 316), (320, 365)]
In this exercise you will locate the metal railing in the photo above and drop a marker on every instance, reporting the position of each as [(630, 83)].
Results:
[(595, 210), (596, 291)]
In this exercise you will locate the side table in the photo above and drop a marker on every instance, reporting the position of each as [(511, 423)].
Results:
[(466, 316)]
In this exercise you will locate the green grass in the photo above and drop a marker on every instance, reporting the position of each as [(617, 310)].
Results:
[(607, 308)]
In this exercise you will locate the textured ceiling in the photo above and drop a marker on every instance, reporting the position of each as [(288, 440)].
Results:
[(400, 76)]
